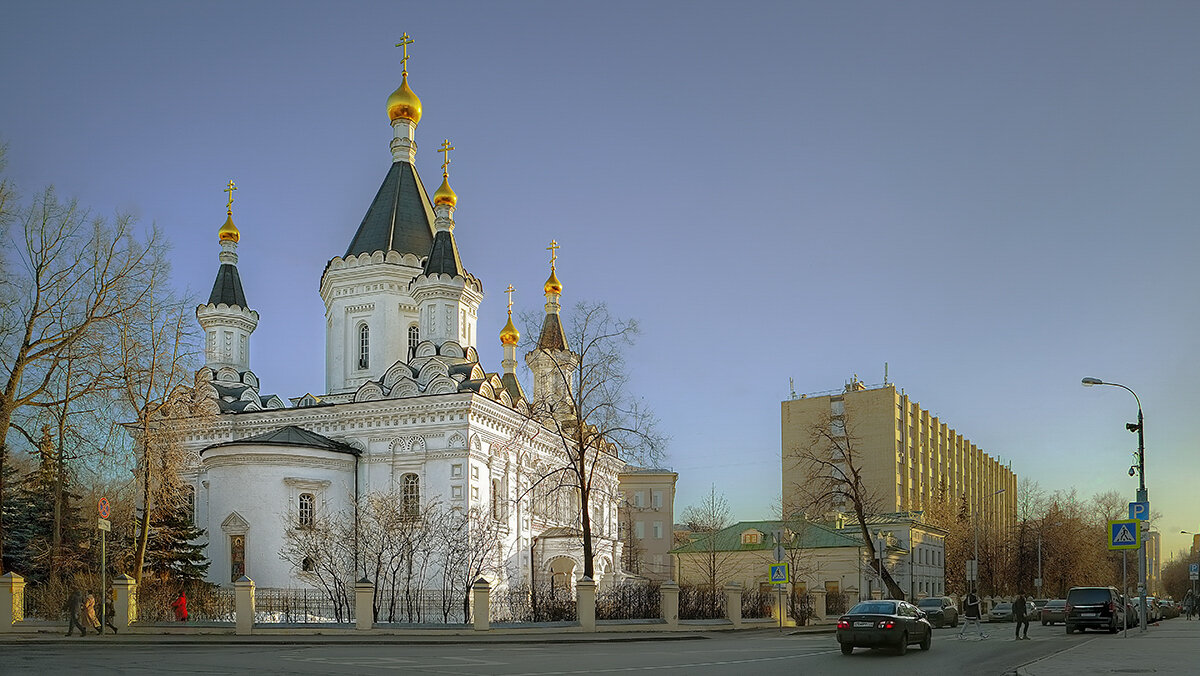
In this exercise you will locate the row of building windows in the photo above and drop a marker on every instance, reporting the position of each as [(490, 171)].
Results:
[(364, 344)]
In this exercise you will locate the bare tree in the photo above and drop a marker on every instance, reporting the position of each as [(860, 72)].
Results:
[(832, 472), (322, 551), (471, 548), (598, 423), (66, 274), (705, 520), (155, 363)]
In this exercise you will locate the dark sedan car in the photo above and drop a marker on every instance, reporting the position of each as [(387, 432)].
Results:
[(884, 624), (940, 611), (1055, 611)]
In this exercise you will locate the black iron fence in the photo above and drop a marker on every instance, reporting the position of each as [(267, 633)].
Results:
[(419, 606), (542, 603), (757, 603), (632, 600), (300, 606), (800, 606), (701, 603), (836, 604), (154, 601)]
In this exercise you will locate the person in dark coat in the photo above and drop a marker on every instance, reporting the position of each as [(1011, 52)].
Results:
[(1020, 618), (110, 612), (74, 608), (972, 612), (179, 605)]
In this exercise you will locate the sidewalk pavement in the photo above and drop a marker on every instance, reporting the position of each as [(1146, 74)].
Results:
[(277, 637), (1171, 647)]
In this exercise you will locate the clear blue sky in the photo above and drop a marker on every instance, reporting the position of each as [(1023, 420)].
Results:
[(997, 199)]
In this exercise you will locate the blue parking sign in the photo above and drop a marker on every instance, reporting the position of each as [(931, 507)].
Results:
[(1139, 511)]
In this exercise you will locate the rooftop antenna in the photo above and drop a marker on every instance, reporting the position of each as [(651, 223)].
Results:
[(792, 384), (885, 373)]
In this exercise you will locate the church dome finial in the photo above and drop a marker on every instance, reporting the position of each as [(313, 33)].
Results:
[(553, 286), (403, 104), (445, 194), (229, 231), (509, 334)]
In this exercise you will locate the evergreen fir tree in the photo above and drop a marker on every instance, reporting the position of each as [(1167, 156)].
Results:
[(32, 526), (175, 551)]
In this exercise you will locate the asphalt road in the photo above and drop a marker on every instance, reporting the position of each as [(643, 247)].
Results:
[(741, 654)]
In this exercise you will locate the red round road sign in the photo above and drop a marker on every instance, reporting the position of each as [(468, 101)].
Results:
[(104, 508)]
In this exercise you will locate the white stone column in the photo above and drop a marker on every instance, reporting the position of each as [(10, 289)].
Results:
[(585, 598), (244, 605), (819, 604), (125, 604), (364, 604), (733, 604), (670, 603), (481, 593), (12, 600)]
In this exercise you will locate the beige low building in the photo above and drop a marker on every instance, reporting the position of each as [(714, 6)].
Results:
[(820, 557)]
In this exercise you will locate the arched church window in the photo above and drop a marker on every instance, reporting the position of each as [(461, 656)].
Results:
[(307, 564), (414, 339), (364, 347), (307, 503), (410, 495)]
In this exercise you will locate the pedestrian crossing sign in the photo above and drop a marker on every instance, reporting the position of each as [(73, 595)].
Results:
[(779, 573), (1124, 534)]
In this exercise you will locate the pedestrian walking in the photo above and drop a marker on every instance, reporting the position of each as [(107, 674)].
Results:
[(1020, 618), (74, 607), (972, 613), (179, 605), (89, 612), (110, 612), (1189, 603)]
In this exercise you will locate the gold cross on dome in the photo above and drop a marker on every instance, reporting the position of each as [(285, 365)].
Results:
[(229, 189), (405, 41), (553, 249), (445, 151), (509, 291)]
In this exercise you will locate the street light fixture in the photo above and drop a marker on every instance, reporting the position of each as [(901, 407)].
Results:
[(1142, 494), (1194, 593)]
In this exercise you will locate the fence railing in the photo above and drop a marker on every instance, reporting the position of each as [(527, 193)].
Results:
[(634, 600), (542, 603), (836, 604), (300, 606), (205, 602), (419, 606), (701, 603), (757, 603), (800, 607)]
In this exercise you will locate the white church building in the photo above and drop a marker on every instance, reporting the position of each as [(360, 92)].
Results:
[(406, 408)]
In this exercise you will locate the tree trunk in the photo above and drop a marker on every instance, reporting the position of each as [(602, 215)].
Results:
[(144, 522)]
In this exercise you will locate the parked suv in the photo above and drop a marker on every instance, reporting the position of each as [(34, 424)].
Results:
[(1094, 608)]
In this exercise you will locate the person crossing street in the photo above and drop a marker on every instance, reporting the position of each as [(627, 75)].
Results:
[(972, 614), (1020, 618)]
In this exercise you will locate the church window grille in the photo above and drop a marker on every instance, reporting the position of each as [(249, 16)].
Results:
[(307, 564), (414, 339), (410, 494), (307, 504), (364, 347)]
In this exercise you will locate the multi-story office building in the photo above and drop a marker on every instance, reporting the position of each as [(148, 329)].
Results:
[(645, 519), (907, 457)]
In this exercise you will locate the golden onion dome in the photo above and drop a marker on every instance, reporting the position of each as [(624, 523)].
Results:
[(229, 231), (403, 104), (445, 194), (509, 334), (553, 285)]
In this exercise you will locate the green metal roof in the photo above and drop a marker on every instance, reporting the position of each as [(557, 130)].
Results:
[(808, 535)]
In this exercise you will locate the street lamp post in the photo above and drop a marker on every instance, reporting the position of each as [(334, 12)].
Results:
[(1194, 582), (1142, 494)]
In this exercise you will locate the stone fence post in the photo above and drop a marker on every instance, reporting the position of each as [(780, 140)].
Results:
[(481, 593), (585, 594), (243, 592), (819, 604), (733, 604), (364, 604), (12, 600), (125, 604), (670, 603)]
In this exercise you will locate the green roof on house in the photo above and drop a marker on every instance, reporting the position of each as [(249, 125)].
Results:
[(805, 535)]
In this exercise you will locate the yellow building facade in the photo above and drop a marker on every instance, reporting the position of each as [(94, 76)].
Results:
[(907, 457)]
